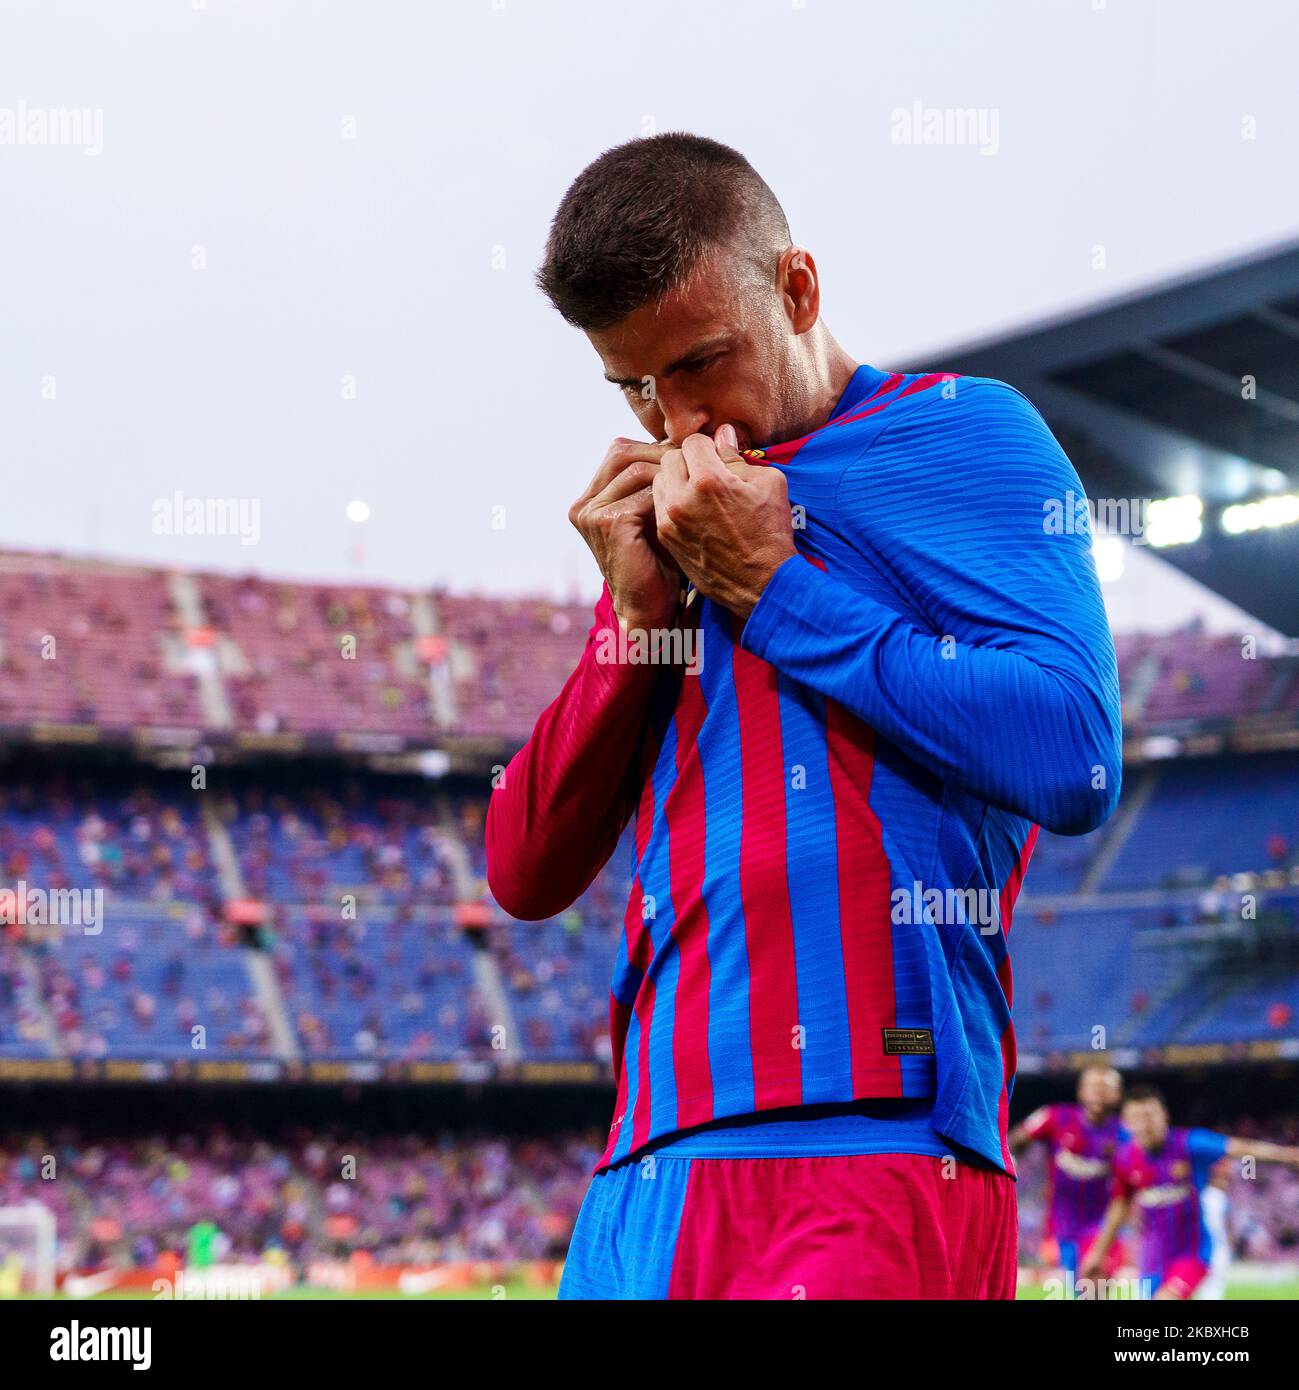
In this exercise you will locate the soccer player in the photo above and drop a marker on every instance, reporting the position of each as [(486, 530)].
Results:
[(1081, 1140), (1215, 1205), (1162, 1171), (901, 668)]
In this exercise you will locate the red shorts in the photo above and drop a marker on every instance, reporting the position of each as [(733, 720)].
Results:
[(872, 1226), (1183, 1276)]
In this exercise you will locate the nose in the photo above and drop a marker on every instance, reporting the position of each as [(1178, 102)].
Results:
[(682, 417)]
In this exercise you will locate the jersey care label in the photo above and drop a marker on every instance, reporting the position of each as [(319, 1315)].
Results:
[(908, 1042)]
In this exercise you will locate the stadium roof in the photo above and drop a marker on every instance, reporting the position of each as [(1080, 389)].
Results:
[(1189, 390)]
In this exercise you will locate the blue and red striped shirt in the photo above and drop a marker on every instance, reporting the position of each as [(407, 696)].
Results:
[(1081, 1158), (1166, 1187), (833, 816)]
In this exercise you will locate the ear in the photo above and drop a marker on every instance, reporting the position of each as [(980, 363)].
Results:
[(801, 286)]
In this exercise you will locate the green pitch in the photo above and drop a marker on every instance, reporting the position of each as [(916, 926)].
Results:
[(513, 1291), (1288, 1291), (1285, 1291), (500, 1293)]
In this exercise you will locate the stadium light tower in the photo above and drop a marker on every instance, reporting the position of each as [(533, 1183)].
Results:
[(358, 514)]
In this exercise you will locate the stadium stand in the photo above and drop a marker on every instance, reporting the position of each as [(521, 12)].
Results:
[(89, 644), (1154, 976), (284, 647), (385, 986), (1060, 863), (1211, 818), (360, 881), (557, 974), (142, 986), (316, 848), (135, 646), (289, 914), (132, 838), (509, 656), (416, 1199)]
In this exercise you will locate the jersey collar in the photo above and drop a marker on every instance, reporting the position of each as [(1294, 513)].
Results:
[(864, 383)]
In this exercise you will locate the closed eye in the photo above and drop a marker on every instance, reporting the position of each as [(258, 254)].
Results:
[(701, 364)]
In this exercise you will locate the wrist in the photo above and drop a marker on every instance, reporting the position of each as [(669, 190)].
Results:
[(630, 618), (756, 582)]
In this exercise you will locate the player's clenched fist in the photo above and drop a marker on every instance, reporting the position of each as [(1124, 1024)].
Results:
[(615, 516), (725, 521)]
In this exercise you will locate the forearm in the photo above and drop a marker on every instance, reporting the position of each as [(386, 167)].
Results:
[(1287, 1154), (558, 808), (1115, 1215), (990, 721)]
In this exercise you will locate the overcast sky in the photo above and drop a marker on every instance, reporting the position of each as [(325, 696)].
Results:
[(291, 257)]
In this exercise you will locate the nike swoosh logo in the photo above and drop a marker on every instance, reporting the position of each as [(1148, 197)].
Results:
[(88, 1285)]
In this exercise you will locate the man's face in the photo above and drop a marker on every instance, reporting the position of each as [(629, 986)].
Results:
[(1147, 1122), (720, 350), (1099, 1089)]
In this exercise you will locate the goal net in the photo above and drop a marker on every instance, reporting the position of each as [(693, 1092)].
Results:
[(27, 1248)]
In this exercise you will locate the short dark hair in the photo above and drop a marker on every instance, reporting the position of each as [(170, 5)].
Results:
[(1139, 1093), (637, 221)]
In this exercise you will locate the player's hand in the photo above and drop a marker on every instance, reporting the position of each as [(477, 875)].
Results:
[(615, 517), (726, 522), (1089, 1267)]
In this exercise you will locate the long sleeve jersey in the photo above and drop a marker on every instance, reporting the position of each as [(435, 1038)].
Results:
[(835, 805)]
